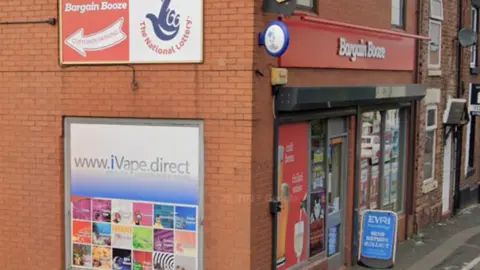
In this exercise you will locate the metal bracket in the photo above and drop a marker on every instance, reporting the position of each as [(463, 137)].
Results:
[(275, 90), (275, 207), (447, 133)]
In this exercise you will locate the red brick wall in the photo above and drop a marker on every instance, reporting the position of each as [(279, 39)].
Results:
[(35, 93), (429, 206)]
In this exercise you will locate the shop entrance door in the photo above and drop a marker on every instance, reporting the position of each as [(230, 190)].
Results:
[(336, 187)]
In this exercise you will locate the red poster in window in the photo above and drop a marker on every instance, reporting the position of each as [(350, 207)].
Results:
[(292, 226)]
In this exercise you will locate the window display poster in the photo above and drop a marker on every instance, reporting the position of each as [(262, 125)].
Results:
[(292, 236), (394, 181), (386, 183), (135, 194), (374, 184), (317, 221), (332, 240), (364, 174)]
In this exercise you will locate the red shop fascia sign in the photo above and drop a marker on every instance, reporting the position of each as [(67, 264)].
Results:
[(319, 43)]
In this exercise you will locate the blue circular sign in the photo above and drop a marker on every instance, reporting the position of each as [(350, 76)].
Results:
[(276, 38)]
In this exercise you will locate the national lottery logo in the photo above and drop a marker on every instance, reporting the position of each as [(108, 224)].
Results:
[(167, 25)]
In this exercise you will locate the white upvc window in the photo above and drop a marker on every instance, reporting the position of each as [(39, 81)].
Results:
[(306, 4), (435, 34), (398, 8), (436, 9), (430, 142), (473, 49)]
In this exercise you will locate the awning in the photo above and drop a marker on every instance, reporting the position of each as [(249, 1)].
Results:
[(292, 99)]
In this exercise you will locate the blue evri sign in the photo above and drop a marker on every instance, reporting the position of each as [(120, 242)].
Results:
[(379, 234)]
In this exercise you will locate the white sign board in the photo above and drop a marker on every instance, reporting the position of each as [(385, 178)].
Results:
[(128, 31)]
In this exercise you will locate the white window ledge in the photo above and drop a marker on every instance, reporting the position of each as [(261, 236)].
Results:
[(434, 72), (429, 185)]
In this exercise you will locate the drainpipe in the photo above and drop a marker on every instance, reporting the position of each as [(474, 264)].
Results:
[(275, 202), (459, 129), (413, 130)]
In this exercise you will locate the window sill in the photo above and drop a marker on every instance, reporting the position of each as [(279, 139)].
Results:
[(434, 72), (474, 70), (429, 186), (398, 28), (301, 10)]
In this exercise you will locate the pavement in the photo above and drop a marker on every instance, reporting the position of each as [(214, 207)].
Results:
[(450, 245)]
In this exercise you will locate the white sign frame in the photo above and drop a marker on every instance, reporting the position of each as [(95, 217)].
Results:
[(68, 121)]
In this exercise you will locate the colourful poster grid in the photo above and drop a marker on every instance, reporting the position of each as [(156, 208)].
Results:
[(132, 235)]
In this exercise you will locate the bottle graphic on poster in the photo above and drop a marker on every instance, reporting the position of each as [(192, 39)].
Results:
[(298, 240), (282, 220)]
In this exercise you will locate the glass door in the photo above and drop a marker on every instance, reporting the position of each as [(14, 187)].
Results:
[(335, 202)]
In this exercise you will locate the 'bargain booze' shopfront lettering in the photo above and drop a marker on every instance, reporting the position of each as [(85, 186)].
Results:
[(363, 49), (166, 26)]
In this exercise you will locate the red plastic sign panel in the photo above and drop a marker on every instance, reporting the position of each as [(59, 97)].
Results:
[(316, 45), (293, 220), (127, 31)]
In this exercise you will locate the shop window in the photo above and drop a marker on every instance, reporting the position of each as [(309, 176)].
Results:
[(473, 49), (398, 9), (310, 188), (382, 145), (435, 34), (430, 143), (306, 4)]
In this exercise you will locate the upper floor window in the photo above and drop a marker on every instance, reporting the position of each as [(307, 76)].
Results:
[(473, 49), (398, 7), (436, 9), (435, 34), (306, 4)]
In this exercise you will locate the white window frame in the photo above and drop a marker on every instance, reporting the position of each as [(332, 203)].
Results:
[(401, 16), (311, 6), (435, 66), (440, 18), (434, 129), (473, 49)]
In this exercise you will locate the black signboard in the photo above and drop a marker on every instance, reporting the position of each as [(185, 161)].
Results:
[(475, 99)]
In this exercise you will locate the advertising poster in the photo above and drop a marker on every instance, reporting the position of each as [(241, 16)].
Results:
[(364, 175), (317, 202), (127, 31), (386, 183), (135, 194), (374, 185), (394, 181), (292, 237)]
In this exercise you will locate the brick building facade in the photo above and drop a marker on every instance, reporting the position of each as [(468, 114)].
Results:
[(231, 93), (441, 82), (436, 199)]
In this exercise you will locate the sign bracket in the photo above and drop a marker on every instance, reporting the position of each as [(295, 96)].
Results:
[(51, 21)]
